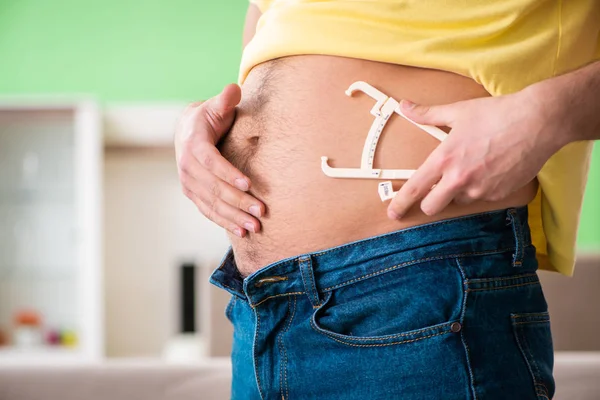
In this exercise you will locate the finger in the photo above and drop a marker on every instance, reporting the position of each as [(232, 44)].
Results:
[(223, 215), (218, 219), (226, 201), (440, 196), (415, 188), (443, 115), (207, 156), (217, 114)]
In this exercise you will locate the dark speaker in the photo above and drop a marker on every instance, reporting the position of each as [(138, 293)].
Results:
[(187, 303)]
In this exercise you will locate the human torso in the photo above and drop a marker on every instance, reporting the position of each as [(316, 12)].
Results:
[(293, 112)]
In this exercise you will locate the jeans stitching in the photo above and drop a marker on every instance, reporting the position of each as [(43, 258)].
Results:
[(230, 306), (535, 381), (314, 292), (254, 354), (412, 262), (518, 234), (394, 336), (531, 322), (462, 332), (504, 278), (285, 351), (444, 326), (529, 359), (387, 344), (228, 287), (311, 291), (522, 315), (372, 338), (504, 287), (275, 295), (415, 228), (281, 354), (304, 283)]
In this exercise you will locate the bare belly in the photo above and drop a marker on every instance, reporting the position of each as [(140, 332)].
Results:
[(294, 111)]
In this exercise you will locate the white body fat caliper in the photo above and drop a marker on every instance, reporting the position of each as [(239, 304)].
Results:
[(384, 107)]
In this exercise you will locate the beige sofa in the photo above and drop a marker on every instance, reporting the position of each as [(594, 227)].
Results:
[(577, 378)]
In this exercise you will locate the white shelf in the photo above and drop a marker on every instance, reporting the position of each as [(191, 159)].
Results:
[(41, 356), (149, 125), (50, 216)]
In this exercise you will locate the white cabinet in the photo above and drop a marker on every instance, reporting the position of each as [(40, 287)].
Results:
[(50, 206)]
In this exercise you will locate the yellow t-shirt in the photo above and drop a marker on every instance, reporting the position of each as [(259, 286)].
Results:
[(503, 45)]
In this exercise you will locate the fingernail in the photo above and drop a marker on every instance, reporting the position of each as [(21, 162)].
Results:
[(255, 210), (407, 105), (249, 226), (241, 184), (392, 215), (238, 232)]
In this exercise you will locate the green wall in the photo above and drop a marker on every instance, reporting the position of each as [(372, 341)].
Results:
[(150, 50), (589, 231), (123, 50)]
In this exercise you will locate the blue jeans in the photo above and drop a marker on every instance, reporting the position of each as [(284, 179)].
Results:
[(447, 310)]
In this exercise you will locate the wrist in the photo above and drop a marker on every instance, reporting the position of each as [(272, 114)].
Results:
[(549, 104)]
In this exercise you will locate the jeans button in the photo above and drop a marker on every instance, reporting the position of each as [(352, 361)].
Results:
[(455, 327)]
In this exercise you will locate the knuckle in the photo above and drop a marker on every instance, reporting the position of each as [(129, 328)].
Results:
[(213, 117), (215, 189), (239, 219), (213, 204), (444, 160), (207, 160), (423, 110), (208, 210), (209, 213), (184, 162), (241, 203), (460, 180), (184, 178), (412, 192), (475, 193)]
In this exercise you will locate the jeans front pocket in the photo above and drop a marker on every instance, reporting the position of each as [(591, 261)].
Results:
[(534, 338), (400, 305)]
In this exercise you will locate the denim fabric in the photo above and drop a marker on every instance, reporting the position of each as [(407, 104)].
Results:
[(448, 310)]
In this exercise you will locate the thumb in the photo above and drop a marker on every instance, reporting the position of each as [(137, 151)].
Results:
[(442, 115), (219, 112)]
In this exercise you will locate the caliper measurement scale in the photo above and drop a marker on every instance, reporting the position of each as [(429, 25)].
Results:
[(382, 110)]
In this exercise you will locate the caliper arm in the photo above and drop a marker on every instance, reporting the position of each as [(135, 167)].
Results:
[(382, 110)]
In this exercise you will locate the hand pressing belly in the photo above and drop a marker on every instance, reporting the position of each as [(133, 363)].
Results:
[(294, 111)]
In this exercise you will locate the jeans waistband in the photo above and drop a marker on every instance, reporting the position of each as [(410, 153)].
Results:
[(321, 271)]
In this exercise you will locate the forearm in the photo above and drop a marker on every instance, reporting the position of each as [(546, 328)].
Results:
[(572, 101)]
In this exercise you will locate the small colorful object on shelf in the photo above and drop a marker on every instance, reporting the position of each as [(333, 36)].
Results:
[(53, 337), (3, 338), (68, 338), (28, 329)]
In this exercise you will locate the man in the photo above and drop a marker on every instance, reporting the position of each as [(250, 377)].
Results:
[(352, 286)]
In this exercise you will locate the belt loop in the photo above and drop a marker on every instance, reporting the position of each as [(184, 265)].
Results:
[(308, 278), (513, 218)]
